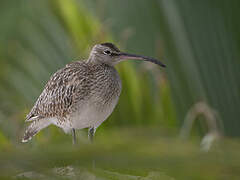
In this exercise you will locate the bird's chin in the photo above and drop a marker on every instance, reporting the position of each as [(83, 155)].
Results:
[(112, 63)]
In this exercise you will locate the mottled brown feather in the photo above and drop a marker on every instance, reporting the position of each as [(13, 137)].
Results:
[(76, 82), (80, 95)]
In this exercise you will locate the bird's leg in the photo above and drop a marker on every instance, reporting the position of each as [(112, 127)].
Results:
[(73, 136), (91, 132)]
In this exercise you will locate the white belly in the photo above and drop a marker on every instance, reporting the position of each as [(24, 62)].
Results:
[(92, 115), (87, 115)]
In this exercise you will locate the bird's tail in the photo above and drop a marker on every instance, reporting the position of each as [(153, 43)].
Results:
[(34, 128)]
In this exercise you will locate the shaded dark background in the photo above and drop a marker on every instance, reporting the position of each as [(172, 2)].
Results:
[(197, 94)]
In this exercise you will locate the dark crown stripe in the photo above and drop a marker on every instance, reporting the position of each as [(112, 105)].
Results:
[(111, 45)]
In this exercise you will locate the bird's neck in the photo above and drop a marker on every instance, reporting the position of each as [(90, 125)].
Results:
[(98, 61), (92, 60)]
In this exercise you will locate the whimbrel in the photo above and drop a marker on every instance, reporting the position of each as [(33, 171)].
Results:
[(82, 94)]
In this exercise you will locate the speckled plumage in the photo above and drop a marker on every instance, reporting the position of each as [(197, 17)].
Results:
[(80, 95), (77, 82), (73, 87)]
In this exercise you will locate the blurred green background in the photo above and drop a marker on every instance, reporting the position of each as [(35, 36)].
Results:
[(196, 97)]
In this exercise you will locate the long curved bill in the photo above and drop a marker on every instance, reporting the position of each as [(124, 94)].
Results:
[(123, 55)]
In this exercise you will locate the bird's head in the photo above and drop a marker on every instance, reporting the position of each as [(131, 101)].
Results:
[(109, 54)]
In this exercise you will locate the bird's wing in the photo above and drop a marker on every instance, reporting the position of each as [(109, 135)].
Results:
[(66, 87)]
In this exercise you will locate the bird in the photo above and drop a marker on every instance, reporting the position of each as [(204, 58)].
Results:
[(82, 94)]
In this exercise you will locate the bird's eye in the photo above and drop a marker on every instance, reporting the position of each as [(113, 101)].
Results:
[(107, 52)]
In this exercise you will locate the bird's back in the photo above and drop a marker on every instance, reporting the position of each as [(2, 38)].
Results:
[(80, 95)]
